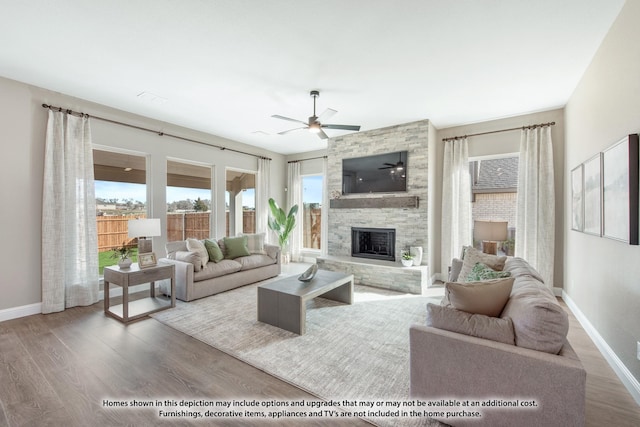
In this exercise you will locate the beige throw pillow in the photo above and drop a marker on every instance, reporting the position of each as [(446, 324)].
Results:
[(472, 256), (195, 245), (487, 297), (255, 243)]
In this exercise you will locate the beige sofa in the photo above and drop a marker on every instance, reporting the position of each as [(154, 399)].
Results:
[(539, 365), (193, 281)]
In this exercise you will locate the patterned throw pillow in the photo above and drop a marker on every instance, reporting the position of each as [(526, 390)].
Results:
[(472, 256), (482, 271), (214, 251)]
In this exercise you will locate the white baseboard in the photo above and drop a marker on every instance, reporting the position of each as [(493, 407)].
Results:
[(627, 378), (23, 311), (31, 309)]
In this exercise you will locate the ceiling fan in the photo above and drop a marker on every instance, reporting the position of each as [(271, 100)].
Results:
[(314, 123), (399, 166)]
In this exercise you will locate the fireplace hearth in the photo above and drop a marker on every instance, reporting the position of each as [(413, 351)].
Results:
[(374, 243)]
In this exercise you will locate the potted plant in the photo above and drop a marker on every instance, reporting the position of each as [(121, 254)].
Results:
[(122, 252), (282, 224), (407, 259)]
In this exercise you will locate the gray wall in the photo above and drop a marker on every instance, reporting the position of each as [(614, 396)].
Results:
[(22, 131), (602, 276)]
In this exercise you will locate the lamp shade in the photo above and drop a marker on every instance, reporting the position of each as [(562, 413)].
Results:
[(494, 231), (144, 227)]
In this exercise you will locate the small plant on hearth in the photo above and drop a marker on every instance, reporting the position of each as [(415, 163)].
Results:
[(407, 255)]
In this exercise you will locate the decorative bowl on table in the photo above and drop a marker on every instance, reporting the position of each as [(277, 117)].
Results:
[(309, 273)]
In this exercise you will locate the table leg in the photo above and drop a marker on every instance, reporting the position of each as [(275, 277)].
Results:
[(106, 296), (125, 302), (152, 289)]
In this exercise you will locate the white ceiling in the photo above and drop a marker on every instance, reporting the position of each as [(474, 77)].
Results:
[(225, 66)]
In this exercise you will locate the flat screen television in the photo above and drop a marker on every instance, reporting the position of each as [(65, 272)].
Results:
[(380, 173)]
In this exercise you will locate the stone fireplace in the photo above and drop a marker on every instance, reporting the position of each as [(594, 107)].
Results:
[(374, 243), (406, 212)]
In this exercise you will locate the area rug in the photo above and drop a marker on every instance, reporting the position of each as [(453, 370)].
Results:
[(353, 352)]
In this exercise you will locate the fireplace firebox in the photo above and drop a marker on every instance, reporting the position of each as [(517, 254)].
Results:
[(376, 243)]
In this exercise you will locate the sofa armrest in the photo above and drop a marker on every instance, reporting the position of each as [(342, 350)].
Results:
[(273, 251), (446, 364), (184, 279)]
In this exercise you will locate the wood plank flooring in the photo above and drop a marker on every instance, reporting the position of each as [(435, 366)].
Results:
[(57, 369)]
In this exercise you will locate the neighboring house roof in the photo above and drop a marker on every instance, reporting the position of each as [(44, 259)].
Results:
[(495, 175)]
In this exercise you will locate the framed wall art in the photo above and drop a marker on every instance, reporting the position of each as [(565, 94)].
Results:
[(593, 195), (577, 199), (620, 190)]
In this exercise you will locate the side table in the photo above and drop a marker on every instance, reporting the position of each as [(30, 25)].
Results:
[(132, 276)]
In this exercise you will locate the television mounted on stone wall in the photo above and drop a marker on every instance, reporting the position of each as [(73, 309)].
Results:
[(379, 173)]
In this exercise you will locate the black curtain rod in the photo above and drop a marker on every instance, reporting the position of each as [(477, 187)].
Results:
[(51, 107), (304, 160), (539, 125)]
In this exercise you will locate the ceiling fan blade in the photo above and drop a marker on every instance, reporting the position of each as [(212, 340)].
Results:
[(322, 135), (276, 116), (290, 130), (388, 167), (342, 127), (326, 114)]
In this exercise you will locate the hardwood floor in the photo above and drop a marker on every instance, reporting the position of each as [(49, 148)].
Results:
[(57, 369)]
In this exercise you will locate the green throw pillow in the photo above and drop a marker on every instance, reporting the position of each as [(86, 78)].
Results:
[(482, 271), (236, 247), (215, 253)]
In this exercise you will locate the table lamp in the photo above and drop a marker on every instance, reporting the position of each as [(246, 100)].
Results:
[(144, 229), (490, 232)]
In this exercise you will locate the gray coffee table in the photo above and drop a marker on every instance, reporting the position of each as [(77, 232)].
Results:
[(283, 302)]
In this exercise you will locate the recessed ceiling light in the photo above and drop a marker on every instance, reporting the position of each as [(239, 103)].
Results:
[(128, 169)]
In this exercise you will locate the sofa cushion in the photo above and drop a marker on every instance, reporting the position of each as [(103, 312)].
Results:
[(487, 297), (518, 267), (539, 322), (190, 257), (195, 245), (482, 271), (255, 243), (214, 251), (476, 325), (217, 269), (472, 256), (250, 262), (236, 247)]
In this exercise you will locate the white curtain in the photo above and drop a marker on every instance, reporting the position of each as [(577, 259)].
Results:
[(69, 230), (262, 198), (294, 197), (535, 215), (456, 201), (324, 216)]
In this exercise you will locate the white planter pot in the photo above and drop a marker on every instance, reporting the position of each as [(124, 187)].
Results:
[(407, 262)]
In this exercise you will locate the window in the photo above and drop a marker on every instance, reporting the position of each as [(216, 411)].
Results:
[(494, 186), (121, 195), (240, 199), (312, 212), (188, 201)]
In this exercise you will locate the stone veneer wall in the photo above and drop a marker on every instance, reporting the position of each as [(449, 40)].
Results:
[(411, 224)]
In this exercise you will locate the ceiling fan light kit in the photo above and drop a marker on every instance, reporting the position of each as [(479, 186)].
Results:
[(314, 124)]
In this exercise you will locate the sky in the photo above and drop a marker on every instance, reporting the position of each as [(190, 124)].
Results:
[(311, 190)]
